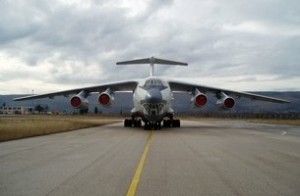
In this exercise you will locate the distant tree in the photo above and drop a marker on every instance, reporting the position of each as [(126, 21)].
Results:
[(84, 111), (4, 104), (39, 108), (46, 108)]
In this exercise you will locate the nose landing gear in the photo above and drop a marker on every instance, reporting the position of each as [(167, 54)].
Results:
[(152, 125), (156, 125)]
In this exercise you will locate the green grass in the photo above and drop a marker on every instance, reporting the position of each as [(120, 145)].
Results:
[(17, 127)]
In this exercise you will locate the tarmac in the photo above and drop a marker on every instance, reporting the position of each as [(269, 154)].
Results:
[(205, 157)]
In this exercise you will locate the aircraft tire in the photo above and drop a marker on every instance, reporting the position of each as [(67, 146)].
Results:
[(128, 123), (139, 122), (157, 125), (147, 126), (166, 123), (176, 123)]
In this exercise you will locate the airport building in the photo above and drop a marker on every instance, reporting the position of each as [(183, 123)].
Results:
[(15, 110)]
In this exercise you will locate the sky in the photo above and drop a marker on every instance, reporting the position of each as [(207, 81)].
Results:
[(48, 46)]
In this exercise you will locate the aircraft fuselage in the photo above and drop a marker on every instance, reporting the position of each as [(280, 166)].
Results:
[(152, 99)]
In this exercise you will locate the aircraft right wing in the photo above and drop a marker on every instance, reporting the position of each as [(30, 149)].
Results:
[(114, 86), (189, 87)]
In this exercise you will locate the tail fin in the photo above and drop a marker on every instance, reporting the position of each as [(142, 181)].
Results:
[(151, 61)]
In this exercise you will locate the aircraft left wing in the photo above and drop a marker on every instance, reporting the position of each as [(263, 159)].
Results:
[(189, 87), (114, 86)]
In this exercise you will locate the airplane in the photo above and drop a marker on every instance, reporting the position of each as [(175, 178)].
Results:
[(153, 96)]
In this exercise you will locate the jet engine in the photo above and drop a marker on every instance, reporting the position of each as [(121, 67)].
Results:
[(79, 101), (225, 101), (199, 99), (106, 98)]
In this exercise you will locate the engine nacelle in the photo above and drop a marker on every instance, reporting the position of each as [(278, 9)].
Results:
[(106, 98), (225, 102), (79, 102), (199, 100)]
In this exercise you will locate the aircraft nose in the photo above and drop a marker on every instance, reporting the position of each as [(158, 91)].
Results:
[(153, 96)]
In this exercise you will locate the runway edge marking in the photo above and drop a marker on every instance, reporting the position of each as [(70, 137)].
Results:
[(139, 170)]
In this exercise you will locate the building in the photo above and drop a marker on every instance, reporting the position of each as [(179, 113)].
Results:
[(15, 110)]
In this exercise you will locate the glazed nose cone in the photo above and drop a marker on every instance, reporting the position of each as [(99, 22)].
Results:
[(153, 96)]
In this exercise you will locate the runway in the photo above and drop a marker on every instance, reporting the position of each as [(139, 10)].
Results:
[(208, 157)]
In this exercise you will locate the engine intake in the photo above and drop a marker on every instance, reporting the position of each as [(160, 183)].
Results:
[(106, 98), (79, 102), (229, 102), (225, 102), (200, 100)]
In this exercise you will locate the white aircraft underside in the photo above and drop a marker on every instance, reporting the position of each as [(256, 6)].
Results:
[(152, 96)]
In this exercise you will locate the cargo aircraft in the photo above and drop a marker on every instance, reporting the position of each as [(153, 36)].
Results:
[(152, 96)]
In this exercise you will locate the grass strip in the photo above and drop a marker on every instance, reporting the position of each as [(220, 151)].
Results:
[(17, 127)]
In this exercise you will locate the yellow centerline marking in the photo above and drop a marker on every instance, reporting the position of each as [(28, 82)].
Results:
[(139, 170)]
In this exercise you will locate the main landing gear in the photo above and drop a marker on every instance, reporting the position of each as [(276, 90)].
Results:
[(156, 125), (171, 123), (132, 123)]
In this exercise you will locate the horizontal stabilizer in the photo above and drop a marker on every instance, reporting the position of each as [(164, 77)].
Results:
[(152, 61)]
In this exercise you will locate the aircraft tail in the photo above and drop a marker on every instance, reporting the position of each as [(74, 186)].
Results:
[(152, 61)]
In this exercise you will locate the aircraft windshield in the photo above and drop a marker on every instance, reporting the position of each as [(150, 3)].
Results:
[(153, 83)]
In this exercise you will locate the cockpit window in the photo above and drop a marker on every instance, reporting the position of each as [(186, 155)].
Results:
[(153, 82)]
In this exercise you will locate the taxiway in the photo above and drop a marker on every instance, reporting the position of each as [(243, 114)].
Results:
[(207, 157)]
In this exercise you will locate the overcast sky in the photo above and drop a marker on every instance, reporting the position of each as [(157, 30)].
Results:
[(54, 45)]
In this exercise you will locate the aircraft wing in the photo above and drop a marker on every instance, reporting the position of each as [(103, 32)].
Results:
[(189, 87), (114, 86)]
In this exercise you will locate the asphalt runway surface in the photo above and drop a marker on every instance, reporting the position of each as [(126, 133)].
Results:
[(202, 158)]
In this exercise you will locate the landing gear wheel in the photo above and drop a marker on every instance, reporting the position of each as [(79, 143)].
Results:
[(136, 123), (147, 125), (128, 123), (157, 125), (167, 123), (176, 123)]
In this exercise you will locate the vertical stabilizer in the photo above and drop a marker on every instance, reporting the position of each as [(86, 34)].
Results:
[(151, 61)]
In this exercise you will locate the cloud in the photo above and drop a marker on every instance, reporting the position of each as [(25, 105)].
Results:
[(66, 43)]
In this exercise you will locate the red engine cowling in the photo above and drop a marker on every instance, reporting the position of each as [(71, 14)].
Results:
[(199, 100), (226, 102), (105, 99), (77, 101)]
